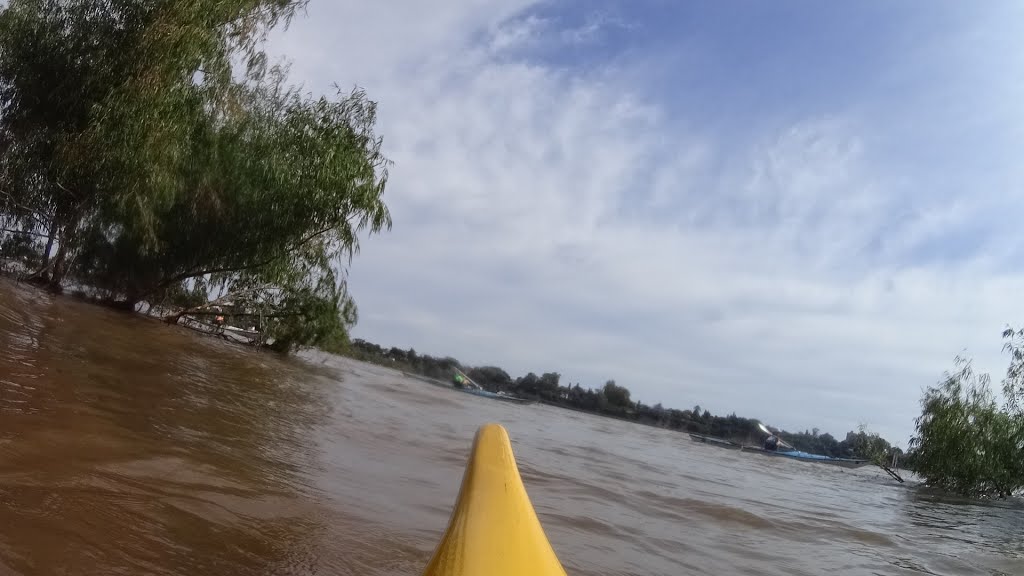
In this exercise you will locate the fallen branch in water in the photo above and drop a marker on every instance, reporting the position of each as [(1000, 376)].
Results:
[(891, 472), (206, 309)]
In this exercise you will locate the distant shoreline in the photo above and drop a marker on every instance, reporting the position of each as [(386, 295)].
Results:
[(613, 401)]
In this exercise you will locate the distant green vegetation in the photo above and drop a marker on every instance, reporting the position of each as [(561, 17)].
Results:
[(615, 400), (966, 443), (149, 152)]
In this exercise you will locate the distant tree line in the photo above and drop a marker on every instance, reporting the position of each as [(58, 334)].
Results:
[(965, 441), (615, 400)]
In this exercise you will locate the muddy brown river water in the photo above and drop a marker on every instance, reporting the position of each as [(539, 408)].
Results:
[(130, 447)]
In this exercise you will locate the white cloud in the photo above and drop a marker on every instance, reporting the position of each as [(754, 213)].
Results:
[(594, 24), (546, 220), (516, 33)]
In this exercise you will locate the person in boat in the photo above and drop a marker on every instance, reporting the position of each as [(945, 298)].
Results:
[(771, 443)]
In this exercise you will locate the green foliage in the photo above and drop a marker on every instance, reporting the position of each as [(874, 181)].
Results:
[(1013, 384), (129, 140), (965, 442), (617, 396), (490, 377), (429, 366), (22, 249), (533, 386), (871, 446)]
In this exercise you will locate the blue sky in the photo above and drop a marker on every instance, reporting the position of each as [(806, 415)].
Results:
[(797, 211)]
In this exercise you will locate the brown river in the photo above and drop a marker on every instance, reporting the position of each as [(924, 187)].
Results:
[(131, 447)]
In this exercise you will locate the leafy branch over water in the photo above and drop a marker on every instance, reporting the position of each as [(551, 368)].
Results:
[(136, 159), (965, 442)]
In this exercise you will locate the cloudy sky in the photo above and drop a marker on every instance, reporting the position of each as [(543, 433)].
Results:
[(798, 211)]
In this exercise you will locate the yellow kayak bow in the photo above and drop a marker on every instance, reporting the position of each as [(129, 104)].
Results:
[(493, 529)]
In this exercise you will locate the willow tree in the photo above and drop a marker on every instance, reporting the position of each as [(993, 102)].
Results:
[(162, 171), (966, 442), (53, 73), (270, 206)]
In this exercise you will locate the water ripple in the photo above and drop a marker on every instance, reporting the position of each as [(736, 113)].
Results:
[(131, 447)]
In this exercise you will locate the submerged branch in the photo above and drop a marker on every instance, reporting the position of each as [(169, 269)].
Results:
[(201, 309)]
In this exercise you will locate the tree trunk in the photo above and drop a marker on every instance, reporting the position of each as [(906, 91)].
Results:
[(49, 245), (59, 261), (64, 239), (42, 276)]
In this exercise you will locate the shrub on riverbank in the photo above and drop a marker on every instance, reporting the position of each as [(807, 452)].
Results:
[(151, 167), (965, 442)]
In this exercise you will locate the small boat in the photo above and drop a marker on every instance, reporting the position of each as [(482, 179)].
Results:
[(808, 457), (479, 392), (794, 454), (497, 395), (512, 398), (493, 528), (466, 384)]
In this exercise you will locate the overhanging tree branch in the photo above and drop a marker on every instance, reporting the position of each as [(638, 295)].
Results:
[(26, 232), (227, 269), (33, 213)]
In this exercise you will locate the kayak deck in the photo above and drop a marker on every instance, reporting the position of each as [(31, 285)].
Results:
[(493, 529)]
